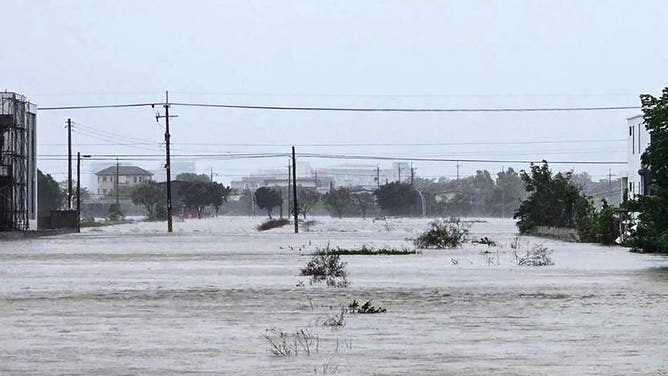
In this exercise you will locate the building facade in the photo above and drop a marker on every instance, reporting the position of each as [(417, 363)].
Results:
[(120, 178), (18, 163), (638, 138)]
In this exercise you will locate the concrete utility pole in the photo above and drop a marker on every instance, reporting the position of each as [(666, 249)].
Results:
[(79, 156), (377, 176), (168, 173), (289, 191), (412, 174), (457, 170), (295, 206), (118, 192), (69, 164)]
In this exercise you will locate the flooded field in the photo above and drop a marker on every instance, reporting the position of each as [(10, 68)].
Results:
[(131, 299)]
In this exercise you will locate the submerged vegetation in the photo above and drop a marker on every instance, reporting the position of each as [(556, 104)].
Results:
[(365, 250), (326, 268), (366, 308), (272, 223), (443, 234)]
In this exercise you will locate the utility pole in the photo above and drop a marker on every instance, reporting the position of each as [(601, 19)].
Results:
[(211, 178), (78, 192), (377, 176), (69, 164), (457, 170), (168, 173), (118, 193), (295, 205), (399, 171), (79, 156), (289, 191), (412, 174)]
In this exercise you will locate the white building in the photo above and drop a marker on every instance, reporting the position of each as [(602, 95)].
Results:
[(123, 177), (638, 138)]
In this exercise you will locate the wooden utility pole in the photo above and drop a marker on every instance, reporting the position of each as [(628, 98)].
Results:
[(168, 173), (295, 205), (412, 174), (69, 164)]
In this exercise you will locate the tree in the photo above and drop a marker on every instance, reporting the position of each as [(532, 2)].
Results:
[(337, 201), (553, 201), (218, 194), (150, 196), (362, 201), (508, 193), (652, 231), (397, 198), (193, 177), (307, 199), (50, 196), (268, 198)]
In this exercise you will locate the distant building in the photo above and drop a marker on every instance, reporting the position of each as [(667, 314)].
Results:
[(18, 163), (128, 176), (633, 180)]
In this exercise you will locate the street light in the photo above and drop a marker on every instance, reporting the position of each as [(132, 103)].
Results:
[(79, 156)]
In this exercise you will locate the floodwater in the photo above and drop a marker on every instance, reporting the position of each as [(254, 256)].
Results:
[(129, 299)]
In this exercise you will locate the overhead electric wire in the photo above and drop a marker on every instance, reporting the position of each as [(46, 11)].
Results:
[(463, 160), (343, 109), (397, 109)]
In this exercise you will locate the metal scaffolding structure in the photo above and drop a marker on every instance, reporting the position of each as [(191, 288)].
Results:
[(18, 169)]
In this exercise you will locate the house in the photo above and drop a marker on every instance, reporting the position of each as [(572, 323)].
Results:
[(633, 180), (123, 177)]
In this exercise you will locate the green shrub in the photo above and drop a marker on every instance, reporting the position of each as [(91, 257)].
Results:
[(328, 268), (443, 234)]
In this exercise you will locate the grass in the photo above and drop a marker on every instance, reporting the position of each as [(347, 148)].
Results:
[(365, 250), (272, 223), (287, 345)]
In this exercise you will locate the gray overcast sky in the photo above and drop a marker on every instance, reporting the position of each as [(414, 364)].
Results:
[(338, 53)]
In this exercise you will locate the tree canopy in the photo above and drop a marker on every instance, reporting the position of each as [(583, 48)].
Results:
[(652, 231), (337, 201), (397, 198), (268, 198), (50, 196)]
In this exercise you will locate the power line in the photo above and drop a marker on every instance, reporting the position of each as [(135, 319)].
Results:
[(344, 109), (417, 159), (389, 109)]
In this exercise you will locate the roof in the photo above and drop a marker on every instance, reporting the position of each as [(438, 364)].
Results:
[(124, 170)]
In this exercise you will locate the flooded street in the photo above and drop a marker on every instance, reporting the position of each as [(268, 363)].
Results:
[(131, 299)]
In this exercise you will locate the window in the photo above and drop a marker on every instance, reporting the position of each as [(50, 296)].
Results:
[(630, 131), (134, 179), (104, 178)]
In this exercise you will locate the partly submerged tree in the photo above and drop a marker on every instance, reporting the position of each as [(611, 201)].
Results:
[(337, 201), (268, 198), (151, 197), (363, 201), (193, 177), (306, 200), (50, 196), (553, 201), (397, 198), (652, 231)]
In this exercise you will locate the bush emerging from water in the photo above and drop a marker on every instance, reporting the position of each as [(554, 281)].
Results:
[(366, 308), (272, 223), (537, 255), (443, 234), (326, 268), (365, 250)]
